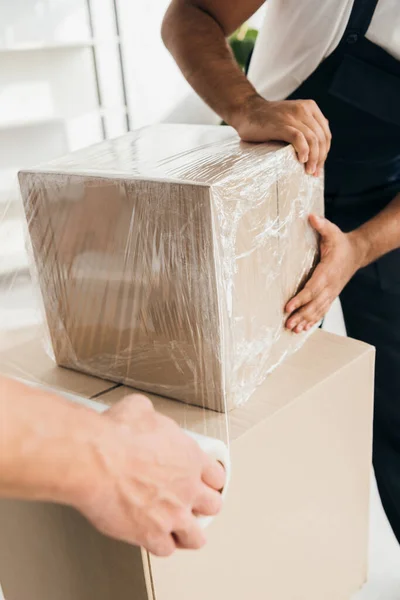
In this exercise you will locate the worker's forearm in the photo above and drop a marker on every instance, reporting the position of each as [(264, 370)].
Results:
[(42, 440), (198, 45), (380, 235)]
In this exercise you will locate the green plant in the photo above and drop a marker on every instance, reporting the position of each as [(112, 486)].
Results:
[(242, 43)]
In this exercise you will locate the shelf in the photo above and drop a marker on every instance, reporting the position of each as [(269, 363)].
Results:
[(40, 121), (30, 122), (48, 46)]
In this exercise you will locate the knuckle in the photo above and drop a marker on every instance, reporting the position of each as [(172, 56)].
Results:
[(138, 401), (194, 537), (323, 280), (198, 543), (159, 540), (309, 292), (298, 136), (293, 135), (310, 312), (322, 312), (321, 137), (163, 549), (161, 524), (329, 299), (324, 304), (326, 295), (312, 138), (311, 104), (144, 401), (216, 504), (289, 131), (300, 109), (212, 505), (181, 518), (307, 107)]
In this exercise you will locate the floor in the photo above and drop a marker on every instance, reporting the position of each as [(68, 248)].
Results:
[(19, 311)]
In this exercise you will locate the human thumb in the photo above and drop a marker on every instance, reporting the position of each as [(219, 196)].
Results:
[(322, 226)]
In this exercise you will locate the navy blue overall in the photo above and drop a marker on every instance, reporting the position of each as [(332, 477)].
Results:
[(358, 90)]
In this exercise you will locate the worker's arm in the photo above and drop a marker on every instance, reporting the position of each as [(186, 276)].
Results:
[(132, 472), (195, 32), (341, 256)]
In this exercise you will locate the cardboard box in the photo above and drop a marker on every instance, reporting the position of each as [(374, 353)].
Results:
[(166, 257), (30, 363), (295, 521)]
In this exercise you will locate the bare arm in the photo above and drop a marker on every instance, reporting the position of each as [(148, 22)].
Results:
[(195, 32), (132, 472), (380, 235), (40, 435)]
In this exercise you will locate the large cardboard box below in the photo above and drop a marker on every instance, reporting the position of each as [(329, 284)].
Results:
[(295, 521), (166, 257)]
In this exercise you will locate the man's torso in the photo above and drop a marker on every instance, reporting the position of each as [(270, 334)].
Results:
[(297, 36)]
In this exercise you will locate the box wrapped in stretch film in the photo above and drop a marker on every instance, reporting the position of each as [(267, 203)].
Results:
[(165, 259)]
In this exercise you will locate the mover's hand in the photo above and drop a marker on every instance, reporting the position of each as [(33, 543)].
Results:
[(298, 122), (341, 256), (150, 480)]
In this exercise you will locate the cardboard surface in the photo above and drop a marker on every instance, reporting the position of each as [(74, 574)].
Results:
[(30, 362), (166, 258), (295, 521)]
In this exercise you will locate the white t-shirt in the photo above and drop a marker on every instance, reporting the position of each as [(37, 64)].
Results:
[(297, 35)]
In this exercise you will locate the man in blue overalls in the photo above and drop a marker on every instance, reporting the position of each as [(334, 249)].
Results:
[(325, 76)]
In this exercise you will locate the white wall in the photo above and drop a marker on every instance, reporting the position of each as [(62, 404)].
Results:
[(29, 22), (48, 98), (154, 82)]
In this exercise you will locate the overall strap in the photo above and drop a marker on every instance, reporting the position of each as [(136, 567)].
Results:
[(360, 19)]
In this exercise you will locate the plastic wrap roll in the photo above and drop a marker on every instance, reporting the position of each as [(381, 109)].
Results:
[(219, 451), (214, 448)]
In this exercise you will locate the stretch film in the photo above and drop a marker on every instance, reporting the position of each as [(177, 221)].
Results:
[(165, 259)]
